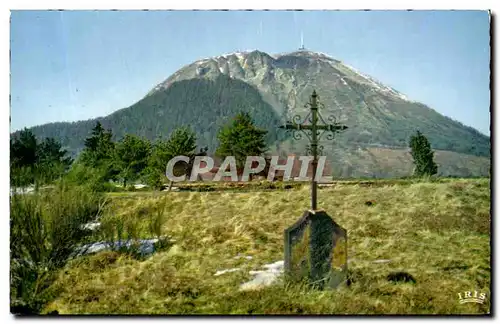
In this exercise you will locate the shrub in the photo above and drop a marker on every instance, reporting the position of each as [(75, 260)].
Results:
[(21, 176), (95, 179), (45, 231), (156, 222)]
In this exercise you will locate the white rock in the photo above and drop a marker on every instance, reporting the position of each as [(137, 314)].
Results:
[(145, 247), (278, 265), (382, 261), (266, 277), (248, 257), (261, 280), (221, 272), (91, 226), (23, 191)]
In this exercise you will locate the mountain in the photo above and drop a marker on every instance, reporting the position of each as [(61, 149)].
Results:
[(274, 88)]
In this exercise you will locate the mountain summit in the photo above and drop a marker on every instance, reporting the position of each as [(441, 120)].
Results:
[(259, 67), (273, 88)]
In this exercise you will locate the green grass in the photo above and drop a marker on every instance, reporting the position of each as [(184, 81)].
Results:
[(439, 232)]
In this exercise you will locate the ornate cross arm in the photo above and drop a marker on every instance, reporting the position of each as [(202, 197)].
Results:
[(299, 129), (331, 128), (312, 131)]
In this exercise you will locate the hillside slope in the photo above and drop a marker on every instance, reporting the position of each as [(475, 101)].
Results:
[(205, 105)]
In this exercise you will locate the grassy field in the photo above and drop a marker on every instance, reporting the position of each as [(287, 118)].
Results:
[(438, 232)]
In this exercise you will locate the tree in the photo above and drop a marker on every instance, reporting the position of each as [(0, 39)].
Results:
[(92, 142), (34, 161), (23, 151), (50, 150), (156, 165), (240, 139), (131, 155), (99, 146), (182, 141), (423, 156), (99, 152), (51, 160)]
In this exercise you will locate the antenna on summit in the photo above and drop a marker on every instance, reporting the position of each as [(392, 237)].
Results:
[(302, 42)]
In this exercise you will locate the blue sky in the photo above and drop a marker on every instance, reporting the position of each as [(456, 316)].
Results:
[(74, 65)]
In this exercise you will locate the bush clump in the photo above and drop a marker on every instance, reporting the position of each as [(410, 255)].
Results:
[(46, 229)]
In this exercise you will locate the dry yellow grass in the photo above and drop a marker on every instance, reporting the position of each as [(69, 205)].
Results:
[(437, 232)]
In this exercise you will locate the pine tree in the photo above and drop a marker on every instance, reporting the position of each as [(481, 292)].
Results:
[(23, 149), (36, 162), (157, 162), (92, 142), (240, 139), (423, 156), (131, 156), (99, 146), (99, 152), (182, 141), (23, 156), (52, 161)]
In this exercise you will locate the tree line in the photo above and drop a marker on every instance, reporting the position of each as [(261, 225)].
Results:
[(135, 158), (130, 159)]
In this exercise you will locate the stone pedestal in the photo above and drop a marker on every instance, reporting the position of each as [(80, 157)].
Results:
[(316, 251)]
